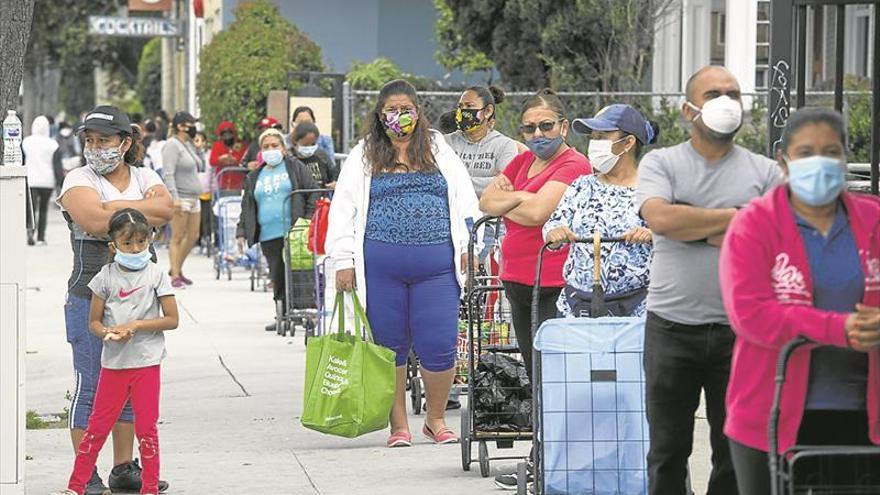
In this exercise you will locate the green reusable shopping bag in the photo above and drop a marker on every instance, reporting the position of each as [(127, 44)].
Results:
[(350, 381), (298, 243)]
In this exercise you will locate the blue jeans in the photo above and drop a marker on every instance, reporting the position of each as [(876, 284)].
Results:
[(86, 362), (412, 301)]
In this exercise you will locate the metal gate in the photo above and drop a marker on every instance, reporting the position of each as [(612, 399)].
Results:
[(788, 24)]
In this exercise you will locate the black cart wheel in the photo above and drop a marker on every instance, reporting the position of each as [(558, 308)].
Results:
[(484, 459), (415, 393), (465, 439)]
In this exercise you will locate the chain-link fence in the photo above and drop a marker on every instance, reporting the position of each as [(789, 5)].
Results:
[(662, 108)]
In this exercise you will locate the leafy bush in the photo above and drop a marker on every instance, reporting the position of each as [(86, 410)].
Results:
[(243, 63), (149, 76)]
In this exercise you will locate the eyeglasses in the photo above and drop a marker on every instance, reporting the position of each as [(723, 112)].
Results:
[(545, 126)]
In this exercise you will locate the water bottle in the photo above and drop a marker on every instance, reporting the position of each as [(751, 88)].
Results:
[(12, 140)]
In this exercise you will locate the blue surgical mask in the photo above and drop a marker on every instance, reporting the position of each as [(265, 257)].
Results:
[(273, 157), (133, 261), (816, 180), (307, 151), (544, 148)]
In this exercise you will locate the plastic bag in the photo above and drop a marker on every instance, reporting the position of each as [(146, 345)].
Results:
[(502, 394)]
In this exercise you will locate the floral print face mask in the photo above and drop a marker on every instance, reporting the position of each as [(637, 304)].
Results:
[(400, 124)]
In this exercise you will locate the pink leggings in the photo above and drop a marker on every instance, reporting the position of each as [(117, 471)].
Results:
[(114, 387)]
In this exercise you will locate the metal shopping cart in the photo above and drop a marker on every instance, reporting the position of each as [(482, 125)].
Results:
[(499, 396), (227, 208), (591, 431), (304, 276), (816, 470)]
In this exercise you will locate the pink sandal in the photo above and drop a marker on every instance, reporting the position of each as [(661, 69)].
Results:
[(444, 436), (399, 439)]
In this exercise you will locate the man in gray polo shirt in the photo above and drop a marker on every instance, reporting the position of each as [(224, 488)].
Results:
[(688, 194)]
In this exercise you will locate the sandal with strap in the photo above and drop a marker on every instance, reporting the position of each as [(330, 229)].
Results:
[(443, 436), (399, 439)]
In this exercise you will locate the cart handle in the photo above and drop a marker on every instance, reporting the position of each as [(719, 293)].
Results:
[(773, 444), (472, 241), (227, 170), (597, 240)]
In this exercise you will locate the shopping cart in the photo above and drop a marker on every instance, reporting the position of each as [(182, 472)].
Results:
[(815, 470), (494, 370), (228, 211), (303, 276), (591, 431)]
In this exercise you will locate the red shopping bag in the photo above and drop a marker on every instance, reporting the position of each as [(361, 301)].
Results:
[(318, 226)]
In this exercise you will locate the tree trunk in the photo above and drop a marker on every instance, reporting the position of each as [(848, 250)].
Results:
[(15, 27)]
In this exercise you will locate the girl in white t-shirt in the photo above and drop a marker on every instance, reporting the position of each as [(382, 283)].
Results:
[(89, 197)]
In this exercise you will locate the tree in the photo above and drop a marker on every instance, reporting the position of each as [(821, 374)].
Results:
[(61, 55), (15, 26), (242, 64), (149, 77), (454, 53), (575, 45)]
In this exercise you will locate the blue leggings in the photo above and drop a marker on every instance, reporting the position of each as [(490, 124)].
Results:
[(412, 301)]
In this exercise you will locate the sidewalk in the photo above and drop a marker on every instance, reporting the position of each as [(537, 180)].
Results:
[(231, 399)]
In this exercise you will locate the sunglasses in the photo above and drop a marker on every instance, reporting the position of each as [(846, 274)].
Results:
[(545, 126)]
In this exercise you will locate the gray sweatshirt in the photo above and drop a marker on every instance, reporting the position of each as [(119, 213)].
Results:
[(180, 166), (485, 159)]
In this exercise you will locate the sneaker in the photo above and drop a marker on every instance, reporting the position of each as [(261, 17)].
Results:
[(509, 481), (126, 478), (271, 327), (31, 241), (42, 243), (185, 280), (96, 485), (452, 405), (178, 283)]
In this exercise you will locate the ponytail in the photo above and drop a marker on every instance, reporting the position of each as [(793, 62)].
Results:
[(135, 154)]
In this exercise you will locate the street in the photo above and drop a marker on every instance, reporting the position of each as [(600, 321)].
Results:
[(231, 399)]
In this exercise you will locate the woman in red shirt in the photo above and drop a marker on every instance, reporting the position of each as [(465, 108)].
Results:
[(228, 151), (525, 194)]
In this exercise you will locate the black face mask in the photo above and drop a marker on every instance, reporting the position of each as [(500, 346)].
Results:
[(229, 141), (191, 132)]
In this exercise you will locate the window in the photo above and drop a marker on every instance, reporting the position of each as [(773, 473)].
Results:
[(863, 41), (718, 38), (762, 45)]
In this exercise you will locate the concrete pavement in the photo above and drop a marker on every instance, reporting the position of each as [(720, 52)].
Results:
[(231, 399)]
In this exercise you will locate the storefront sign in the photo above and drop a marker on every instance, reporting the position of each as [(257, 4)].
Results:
[(145, 27)]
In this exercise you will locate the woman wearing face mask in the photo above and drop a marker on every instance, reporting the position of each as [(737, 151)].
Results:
[(604, 202), (525, 194), (804, 260), (181, 162), (398, 234), (227, 151), (268, 210), (89, 197), (320, 165)]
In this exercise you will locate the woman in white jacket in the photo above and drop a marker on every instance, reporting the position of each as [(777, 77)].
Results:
[(40, 158), (398, 234)]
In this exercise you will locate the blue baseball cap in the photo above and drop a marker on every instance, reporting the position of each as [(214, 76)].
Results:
[(617, 117)]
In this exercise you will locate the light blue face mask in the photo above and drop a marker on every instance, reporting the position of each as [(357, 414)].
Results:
[(133, 261), (544, 147), (307, 151), (816, 180), (273, 157)]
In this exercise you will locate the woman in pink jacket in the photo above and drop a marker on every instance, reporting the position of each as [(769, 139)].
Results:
[(804, 260)]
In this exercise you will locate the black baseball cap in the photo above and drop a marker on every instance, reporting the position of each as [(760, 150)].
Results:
[(617, 117), (183, 118), (107, 120)]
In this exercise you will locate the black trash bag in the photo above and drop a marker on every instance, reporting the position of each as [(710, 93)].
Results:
[(502, 394)]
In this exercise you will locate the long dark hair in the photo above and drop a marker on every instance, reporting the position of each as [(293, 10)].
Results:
[(380, 155)]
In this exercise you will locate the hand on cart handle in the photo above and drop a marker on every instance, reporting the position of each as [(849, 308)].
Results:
[(863, 328), (638, 235), (345, 280), (561, 235)]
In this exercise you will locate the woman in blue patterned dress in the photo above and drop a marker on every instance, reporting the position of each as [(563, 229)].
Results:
[(604, 202)]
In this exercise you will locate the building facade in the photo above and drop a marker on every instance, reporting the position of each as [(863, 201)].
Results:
[(736, 33)]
